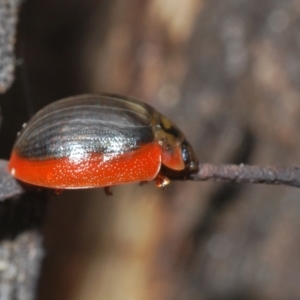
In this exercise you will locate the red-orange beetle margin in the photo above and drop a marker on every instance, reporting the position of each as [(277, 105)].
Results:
[(100, 140)]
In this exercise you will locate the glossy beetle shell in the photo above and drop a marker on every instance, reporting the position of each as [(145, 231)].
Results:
[(98, 141)]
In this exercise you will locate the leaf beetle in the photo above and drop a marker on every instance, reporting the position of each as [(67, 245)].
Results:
[(100, 140)]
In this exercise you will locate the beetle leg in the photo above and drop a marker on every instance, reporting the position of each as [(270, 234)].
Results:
[(108, 191), (143, 182), (57, 191), (162, 181)]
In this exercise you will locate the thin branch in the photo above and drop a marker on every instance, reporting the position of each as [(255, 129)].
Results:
[(249, 174), (9, 186)]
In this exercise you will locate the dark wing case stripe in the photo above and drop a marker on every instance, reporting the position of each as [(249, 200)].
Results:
[(90, 123)]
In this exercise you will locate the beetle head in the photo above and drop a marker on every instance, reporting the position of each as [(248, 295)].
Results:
[(178, 157), (189, 158)]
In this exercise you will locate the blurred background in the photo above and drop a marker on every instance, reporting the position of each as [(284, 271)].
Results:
[(227, 72)]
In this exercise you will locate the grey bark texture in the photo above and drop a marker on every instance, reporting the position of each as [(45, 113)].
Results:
[(8, 22)]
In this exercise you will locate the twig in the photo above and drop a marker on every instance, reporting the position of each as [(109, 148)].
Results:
[(9, 186), (249, 174)]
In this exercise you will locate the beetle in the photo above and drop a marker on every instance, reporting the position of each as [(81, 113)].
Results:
[(100, 140)]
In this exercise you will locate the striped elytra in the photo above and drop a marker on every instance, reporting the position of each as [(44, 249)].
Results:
[(97, 141)]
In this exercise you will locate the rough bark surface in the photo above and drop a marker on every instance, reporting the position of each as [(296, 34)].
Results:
[(8, 22)]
